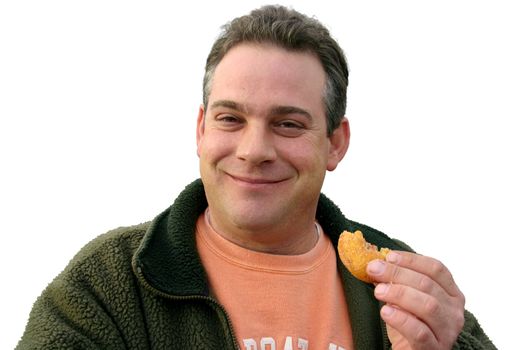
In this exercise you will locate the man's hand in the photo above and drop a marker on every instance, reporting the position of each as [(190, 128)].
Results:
[(424, 306)]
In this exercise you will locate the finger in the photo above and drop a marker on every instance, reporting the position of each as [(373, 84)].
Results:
[(425, 307), (427, 266), (381, 271), (416, 333)]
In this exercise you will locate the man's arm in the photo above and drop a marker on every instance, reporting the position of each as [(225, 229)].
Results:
[(67, 317), (94, 303), (472, 335)]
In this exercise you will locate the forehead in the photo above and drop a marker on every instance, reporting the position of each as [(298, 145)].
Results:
[(266, 73)]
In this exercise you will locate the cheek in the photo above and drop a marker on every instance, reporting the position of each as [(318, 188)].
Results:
[(213, 147), (309, 155)]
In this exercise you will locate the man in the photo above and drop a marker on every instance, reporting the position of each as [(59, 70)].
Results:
[(245, 257)]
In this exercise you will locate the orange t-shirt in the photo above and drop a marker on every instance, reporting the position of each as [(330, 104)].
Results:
[(277, 302)]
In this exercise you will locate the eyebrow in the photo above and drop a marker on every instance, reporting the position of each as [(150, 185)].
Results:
[(229, 104), (283, 110), (277, 110)]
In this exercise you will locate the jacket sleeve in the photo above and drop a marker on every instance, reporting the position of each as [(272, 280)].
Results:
[(472, 337), (92, 304), (67, 317)]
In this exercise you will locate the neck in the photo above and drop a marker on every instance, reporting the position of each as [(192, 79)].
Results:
[(296, 240)]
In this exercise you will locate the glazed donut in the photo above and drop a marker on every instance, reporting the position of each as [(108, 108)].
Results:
[(355, 253)]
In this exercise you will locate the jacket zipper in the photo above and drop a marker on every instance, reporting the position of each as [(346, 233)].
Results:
[(146, 284)]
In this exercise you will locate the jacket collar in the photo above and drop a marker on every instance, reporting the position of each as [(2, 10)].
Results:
[(169, 261), (167, 256)]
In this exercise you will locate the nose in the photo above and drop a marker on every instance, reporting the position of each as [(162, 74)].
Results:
[(256, 145)]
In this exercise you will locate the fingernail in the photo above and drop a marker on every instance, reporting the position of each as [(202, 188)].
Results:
[(387, 310), (393, 257), (376, 267), (382, 289)]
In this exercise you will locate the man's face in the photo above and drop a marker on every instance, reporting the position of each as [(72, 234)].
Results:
[(262, 141)]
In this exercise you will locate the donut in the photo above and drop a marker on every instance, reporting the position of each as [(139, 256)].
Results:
[(355, 253)]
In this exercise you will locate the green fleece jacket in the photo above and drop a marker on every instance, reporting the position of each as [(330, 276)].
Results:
[(144, 287)]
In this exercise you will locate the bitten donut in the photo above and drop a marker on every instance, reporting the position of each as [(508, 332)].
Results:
[(356, 253)]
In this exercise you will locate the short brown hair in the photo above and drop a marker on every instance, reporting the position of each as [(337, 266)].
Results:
[(294, 31)]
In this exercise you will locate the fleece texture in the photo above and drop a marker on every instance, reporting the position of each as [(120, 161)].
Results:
[(144, 287)]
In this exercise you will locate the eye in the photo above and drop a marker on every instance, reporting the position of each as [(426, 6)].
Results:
[(289, 124), (228, 122), (227, 119), (289, 128)]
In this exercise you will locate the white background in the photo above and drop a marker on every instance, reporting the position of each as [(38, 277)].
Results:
[(98, 101)]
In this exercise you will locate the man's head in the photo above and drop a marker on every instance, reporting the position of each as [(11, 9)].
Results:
[(262, 138), (292, 31)]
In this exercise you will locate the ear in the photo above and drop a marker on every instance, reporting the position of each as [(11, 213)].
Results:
[(339, 142), (200, 128)]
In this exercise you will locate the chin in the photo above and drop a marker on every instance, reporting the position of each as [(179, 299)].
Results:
[(255, 220)]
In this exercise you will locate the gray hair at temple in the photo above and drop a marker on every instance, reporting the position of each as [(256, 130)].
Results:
[(293, 31)]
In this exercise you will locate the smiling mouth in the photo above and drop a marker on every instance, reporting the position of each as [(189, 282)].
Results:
[(255, 181)]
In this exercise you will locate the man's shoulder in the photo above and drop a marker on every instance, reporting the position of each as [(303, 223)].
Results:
[(94, 300), (112, 250), (122, 238), (378, 238), (334, 222)]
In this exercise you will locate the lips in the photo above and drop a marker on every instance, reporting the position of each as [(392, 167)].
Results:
[(255, 180)]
